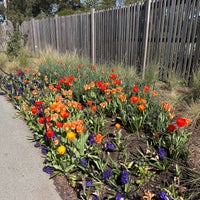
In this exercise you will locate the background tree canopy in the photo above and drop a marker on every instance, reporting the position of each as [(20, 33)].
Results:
[(19, 10)]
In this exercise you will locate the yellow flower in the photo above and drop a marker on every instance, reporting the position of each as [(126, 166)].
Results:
[(71, 136), (61, 150)]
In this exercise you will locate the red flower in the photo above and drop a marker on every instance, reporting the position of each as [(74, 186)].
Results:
[(57, 87), (171, 127), (94, 108), (92, 67), (116, 82), (61, 80), (113, 69), (59, 124), (49, 133), (41, 120), (134, 99), (113, 76), (34, 110), (146, 88), (135, 89), (99, 83), (19, 72), (38, 103), (48, 118), (181, 122)]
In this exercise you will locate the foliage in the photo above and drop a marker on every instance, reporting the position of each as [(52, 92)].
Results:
[(14, 45)]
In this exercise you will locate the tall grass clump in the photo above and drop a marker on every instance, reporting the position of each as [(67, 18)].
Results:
[(192, 182), (195, 91)]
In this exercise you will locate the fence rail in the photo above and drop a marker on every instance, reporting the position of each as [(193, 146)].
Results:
[(172, 35)]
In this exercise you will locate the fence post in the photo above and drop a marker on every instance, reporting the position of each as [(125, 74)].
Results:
[(35, 41), (92, 36), (146, 35)]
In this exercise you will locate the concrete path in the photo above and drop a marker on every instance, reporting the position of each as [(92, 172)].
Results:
[(21, 175)]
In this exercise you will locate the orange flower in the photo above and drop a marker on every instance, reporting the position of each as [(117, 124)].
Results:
[(64, 114), (71, 136), (143, 101), (94, 108), (103, 104), (80, 129), (89, 103), (122, 97), (171, 115), (92, 84), (148, 195), (53, 106), (119, 89), (59, 98), (107, 92), (64, 92), (86, 87), (25, 80), (66, 126), (113, 91), (55, 141), (59, 62), (167, 106), (34, 92), (54, 117), (154, 93), (25, 107), (51, 87), (69, 92), (117, 126), (134, 99), (98, 138), (73, 125), (141, 107)]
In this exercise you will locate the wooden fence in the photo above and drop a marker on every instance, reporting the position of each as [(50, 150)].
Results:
[(167, 33)]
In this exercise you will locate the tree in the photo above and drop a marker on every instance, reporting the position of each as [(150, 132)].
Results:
[(92, 4), (127, 2), (108, 4)]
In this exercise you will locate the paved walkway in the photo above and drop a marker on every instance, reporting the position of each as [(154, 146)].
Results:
[(21, 175)]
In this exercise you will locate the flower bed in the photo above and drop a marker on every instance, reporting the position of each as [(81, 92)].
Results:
[(111, 137)]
